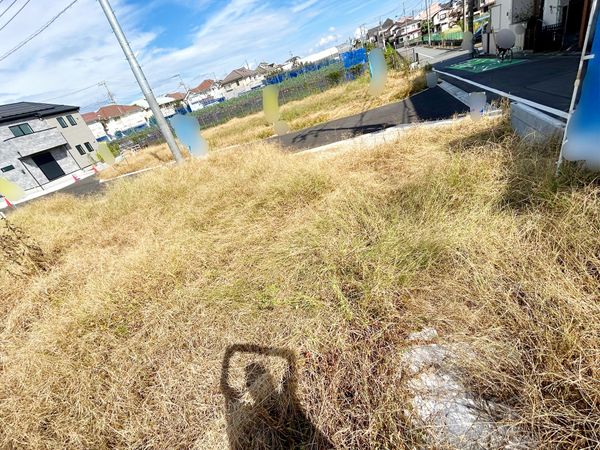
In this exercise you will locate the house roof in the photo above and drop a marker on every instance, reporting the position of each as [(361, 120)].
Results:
[(387, 24), (204, 86), (90, 117), (409, 22), (432, 10), (176, 95), (112, 111), (238, 74), (162, 100), (372, 31), (25, 110)]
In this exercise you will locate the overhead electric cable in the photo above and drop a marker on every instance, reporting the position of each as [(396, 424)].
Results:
[(9, 6), (73, 92), (15, 15), (38, 32)]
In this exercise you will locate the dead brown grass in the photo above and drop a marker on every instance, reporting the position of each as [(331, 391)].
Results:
[(120, 342), (341, 101), (146, 158)]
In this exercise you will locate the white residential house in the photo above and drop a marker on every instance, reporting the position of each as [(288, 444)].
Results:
[(95, 125), (206, 93), (442, 20), (167, 105), (410, 30), (117, 120), (241, 80), (507, 14)]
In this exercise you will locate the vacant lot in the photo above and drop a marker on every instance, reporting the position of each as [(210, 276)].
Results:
[(117, 311), (341, 101)]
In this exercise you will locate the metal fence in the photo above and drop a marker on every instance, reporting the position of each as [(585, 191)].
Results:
[(142, 139), (294, 88), (452, 38)]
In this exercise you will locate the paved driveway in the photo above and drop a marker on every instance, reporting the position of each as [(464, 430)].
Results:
[(544, 79), (428, 105)]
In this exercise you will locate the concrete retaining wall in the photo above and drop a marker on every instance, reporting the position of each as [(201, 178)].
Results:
[(533, 124)]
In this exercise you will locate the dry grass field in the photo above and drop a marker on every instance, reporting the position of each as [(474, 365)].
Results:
[(123, 315), (344, 100)]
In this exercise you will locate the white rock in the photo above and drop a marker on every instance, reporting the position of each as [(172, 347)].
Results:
[(426, 334), (441, 405)]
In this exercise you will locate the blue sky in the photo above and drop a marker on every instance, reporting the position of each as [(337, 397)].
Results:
[(194, 38)]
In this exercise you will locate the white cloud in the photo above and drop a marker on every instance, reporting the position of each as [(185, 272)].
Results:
[(328, 39), (331, 29), (298, 7), (79, 50)]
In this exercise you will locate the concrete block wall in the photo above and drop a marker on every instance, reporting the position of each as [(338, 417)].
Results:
[(533, 124)]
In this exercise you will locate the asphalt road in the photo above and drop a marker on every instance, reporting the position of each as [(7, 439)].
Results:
[(428, 105), (544, 79)]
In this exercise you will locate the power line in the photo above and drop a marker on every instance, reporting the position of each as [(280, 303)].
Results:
[(16, 14), (24, 42), (9, 6), (72, 93)]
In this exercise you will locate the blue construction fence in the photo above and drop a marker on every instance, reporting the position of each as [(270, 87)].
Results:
[(349, 60)]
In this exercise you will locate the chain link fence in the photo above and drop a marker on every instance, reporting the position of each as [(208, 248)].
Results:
[(290, 89)]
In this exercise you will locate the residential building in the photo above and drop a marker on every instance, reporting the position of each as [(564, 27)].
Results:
[(410, 31), (540, 26), (442, 19), (267, 69), (291, 63), (42, 142), (94, 123), (433, 8), (206, 93), (117, 120), (168, 106), (178, 96), (241, 80)]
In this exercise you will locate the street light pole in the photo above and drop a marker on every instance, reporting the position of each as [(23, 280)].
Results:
[(428, 24), (141, 79)]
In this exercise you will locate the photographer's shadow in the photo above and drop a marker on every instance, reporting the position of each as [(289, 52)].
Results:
[(271, 418)]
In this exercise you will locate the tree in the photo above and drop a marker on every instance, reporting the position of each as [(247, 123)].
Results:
[(424, 28)]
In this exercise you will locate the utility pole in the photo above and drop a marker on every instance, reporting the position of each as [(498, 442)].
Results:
[(141, 79), (111, 97), (429, 23), (182, 83), (464, 27), (470, 16)]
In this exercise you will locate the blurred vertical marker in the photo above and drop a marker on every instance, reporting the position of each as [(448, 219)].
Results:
[(105, 154), (11, 191), (187, 130), (271, 109), (378, 70)]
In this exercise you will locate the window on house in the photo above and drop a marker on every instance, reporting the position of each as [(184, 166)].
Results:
[(89, 147), (80, 149), (71, 120), (21, 130), (7, 168), (62, 122)]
